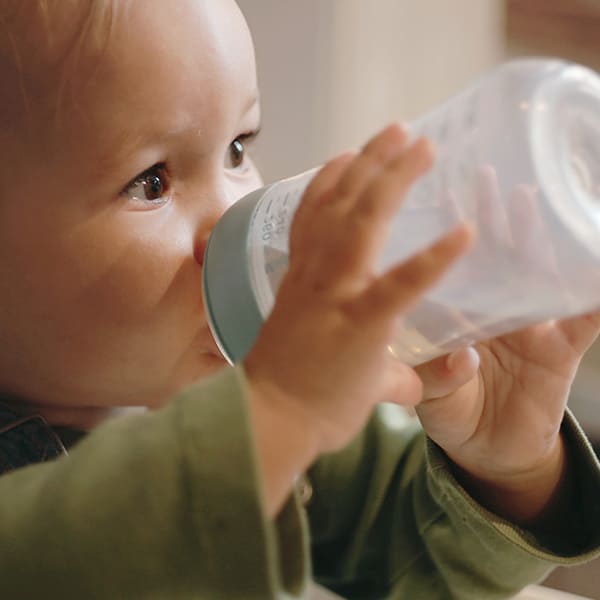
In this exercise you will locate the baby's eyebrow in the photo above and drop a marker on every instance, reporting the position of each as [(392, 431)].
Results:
[(125, 145), (129, 142), (121, 152)]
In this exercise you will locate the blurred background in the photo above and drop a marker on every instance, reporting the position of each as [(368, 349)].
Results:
[(332, 72)]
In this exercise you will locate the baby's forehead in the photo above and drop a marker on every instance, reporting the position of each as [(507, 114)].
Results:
[(117, 71)]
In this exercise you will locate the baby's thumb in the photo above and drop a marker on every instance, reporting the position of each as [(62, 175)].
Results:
[(404, 386), (446, 374)]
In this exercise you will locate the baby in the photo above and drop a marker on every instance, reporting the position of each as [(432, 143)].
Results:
[(124, 136)]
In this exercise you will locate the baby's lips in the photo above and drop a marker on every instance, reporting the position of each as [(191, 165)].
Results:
[(209, 344), (199, 251)]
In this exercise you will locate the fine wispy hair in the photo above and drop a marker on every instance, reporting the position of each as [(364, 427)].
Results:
[(43, 43)]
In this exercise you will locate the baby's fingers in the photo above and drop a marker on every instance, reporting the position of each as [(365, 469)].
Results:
[(358, 227), (492, 219), (446, 374), (343, 179), (316, 193), (402, 287)]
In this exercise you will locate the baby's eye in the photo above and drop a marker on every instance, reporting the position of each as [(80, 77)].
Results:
[(150, 186), (236, 153)]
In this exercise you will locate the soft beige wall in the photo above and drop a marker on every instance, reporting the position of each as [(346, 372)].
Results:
[(393, 59), (334, 71), (292, 42)]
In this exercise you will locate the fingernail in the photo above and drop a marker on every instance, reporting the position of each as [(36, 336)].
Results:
[(451, 360), (468, 354)]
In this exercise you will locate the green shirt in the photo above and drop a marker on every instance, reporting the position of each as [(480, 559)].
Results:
[(167, 505)]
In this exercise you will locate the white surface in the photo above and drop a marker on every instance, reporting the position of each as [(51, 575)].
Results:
[(542, 593), (530, 593)]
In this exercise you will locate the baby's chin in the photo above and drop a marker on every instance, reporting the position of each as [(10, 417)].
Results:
[(213, 362), (208, 363)]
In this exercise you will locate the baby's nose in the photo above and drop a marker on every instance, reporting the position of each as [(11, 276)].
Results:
[(209, 218)]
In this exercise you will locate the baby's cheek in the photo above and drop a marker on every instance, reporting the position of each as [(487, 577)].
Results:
[(137, 312), (114, 298), (138, 284)]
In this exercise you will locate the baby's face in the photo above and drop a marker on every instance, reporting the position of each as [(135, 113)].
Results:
[(102, 234)]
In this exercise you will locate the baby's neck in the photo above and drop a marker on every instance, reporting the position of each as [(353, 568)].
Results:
[(81, 418)]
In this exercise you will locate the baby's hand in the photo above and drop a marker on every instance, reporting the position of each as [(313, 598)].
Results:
[(497, 413), (321, 361)]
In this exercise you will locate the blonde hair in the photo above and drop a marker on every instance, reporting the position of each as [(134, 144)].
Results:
[(42, 43)]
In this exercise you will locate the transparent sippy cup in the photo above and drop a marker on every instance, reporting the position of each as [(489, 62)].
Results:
[(518, 157)]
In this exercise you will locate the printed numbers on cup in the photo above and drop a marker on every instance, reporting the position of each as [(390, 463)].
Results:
[(274, 225)]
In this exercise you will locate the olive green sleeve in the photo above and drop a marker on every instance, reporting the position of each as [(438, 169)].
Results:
[(164, 505), (390, 521)]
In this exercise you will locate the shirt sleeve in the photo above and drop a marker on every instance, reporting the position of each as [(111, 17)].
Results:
[(390, 521), (163, 505)]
